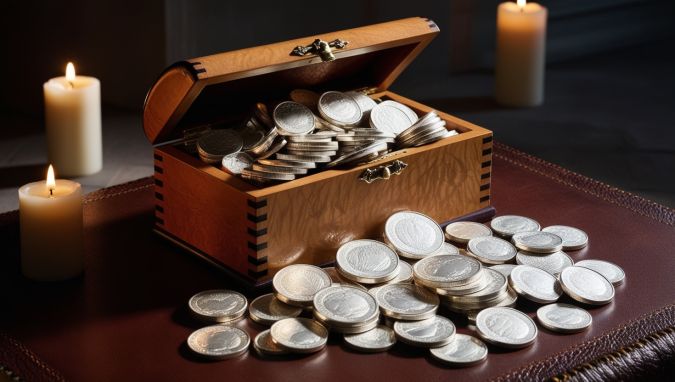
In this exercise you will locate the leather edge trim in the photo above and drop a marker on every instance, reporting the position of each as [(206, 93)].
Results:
[(27, 356), (625, 199)]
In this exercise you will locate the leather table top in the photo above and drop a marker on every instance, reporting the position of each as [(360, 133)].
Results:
[(125, 319)]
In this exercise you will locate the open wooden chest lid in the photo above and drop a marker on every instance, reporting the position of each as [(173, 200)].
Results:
[(203, 90)]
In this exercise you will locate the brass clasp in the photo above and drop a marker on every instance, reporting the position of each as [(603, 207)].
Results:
[(321, 48), (383, 172)]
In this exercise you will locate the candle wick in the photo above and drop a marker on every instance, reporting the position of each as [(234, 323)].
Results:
[(72, 85), (51, 192)]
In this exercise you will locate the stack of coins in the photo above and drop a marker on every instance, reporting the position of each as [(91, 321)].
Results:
[(428, 129), (314, 131), (480, 282)]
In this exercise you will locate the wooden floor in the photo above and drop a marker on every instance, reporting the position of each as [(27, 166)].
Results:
[(610, 117)]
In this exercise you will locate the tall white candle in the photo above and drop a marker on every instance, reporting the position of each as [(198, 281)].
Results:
[(50, 215), (521, 49), (73, 119)]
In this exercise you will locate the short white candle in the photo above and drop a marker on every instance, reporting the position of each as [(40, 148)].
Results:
[(521, 49), (50, 215), (73, 120)]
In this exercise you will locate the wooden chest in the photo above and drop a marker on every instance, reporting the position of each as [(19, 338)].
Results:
[(254, 231)]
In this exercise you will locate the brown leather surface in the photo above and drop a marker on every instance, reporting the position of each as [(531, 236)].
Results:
[(125, 318)]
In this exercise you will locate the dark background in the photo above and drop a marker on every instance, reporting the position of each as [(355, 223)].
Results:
[(610, 85)]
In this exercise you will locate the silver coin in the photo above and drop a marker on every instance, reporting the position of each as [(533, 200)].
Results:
[(612, 272), (573, 238), (267, 310), (506, 327), (292, 118), (359, 153), (497, 284), (406, 301), (285, 163), (251, 135), (366, 104), (348, 329), (365, 141), (311, 138), (405, 273), (378, 339), (446, 271), (345, 305), (414, 235), (325, 126), (236, 162), (462, 232), (426, 120), (299, 335), (535, 284), (338, 279), (311, 153), (447, 249), (265, 144), (564, 318), (422, 133), (313, 146), (436, 135), (586, 286), (463, 350), (256, 174), (264, 344), (431, 333), (552, 263), (218, 305), (219, 342), (262, 114), (304, 158), (278, 144), (367, 261), (339, 108), (537, 242), (491, 250), (504, 269), (219, 143), (298, 283), (392, 117), (471, 287), (278, 169), (507, 225)]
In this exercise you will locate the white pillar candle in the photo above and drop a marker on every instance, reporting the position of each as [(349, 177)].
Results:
[(520, 59), (50, 215), (73, 119)]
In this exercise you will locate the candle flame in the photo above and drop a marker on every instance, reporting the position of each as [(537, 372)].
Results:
[(70, 72), (51, 182), (521, 3)]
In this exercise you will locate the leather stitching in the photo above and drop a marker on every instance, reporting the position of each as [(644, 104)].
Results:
[(587, 185), (34, 358)]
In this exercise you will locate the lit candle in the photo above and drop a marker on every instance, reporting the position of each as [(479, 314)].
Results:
[(520, 59), (50, 215), (73, 119)]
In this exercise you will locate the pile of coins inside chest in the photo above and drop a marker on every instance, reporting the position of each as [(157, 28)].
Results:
[(311, 132), (381, 292)]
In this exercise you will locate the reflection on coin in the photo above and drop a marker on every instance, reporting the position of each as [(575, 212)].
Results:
[(564, 318), (610, 271), (299, 335), (264, 344), (339, 108), (573, 238), (234, 163), (463, 350), (406, 301), (586, 286), (292, 118), (392, 117), (381, 338), (446, 271), (345, 305), (214, 145), (297, 284), (414, 235), (267, 310), (535, 284), (447, 249), (491, 250), (537, 242), (504, 269), (552, 263), (405, 273), (219, 342), (432, 333), (218, 305), (462, 232), (507, 225), (366, 104), (366, 261), (506, 327)]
